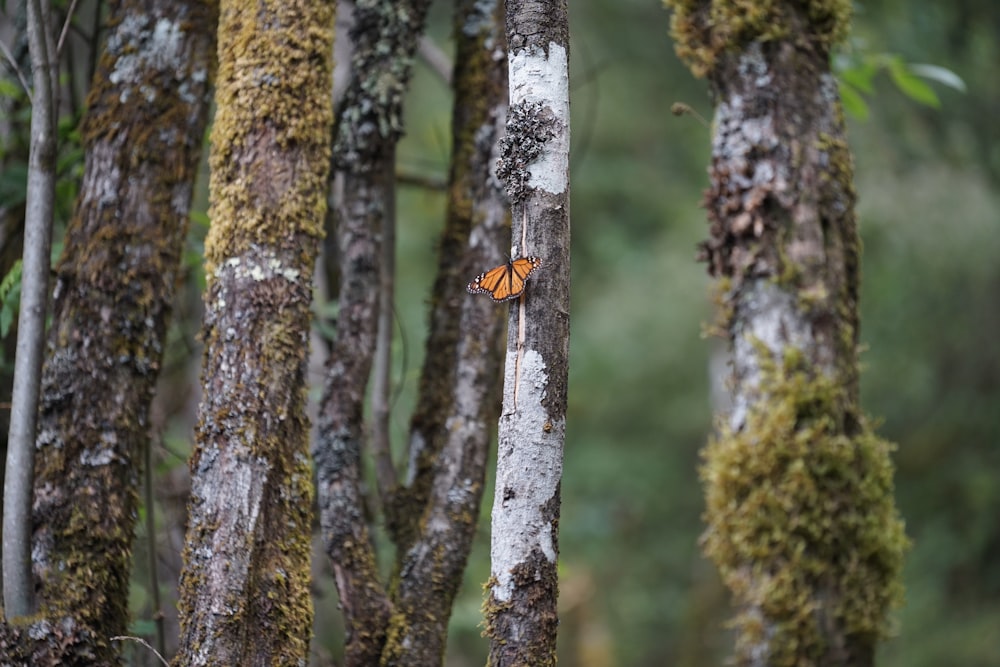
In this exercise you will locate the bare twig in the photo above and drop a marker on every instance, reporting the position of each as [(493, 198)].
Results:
[(17, 70), (142, 641), (65, 29), (681, 109), (436, 59), (425, 181), (154, 584)]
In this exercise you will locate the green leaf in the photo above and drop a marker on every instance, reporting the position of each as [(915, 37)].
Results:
[(940, 74), (860, 76), (854, 104), (10, 297), (6, 320), (10, 89), (912, 85), (10, 281)]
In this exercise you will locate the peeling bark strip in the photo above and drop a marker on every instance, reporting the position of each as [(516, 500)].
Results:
[(801, 519), (438, 510), (369, 123), (244, 588), (521, 612), (114, 289)]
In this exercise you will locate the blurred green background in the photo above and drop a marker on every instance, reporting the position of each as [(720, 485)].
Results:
[(635, 590)]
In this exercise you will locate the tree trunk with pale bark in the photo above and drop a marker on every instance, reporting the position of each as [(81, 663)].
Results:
[(521, 614)]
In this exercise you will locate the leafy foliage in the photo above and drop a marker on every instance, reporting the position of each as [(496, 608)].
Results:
[(10, 298), (857, 71)]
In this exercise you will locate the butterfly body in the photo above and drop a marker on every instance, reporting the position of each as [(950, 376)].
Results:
[(507, 281)]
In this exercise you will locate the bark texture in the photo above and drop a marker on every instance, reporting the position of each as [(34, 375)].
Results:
[(801, 519), (521, 616), (369, 123), (245, 582), (114, 289), (438, 507)]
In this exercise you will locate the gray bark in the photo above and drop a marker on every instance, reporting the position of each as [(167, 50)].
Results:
[(521, 613), (245, 597), (438, 509)]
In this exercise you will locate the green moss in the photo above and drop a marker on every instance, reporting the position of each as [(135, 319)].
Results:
[(705, 29), (271, 135), (492, 609), (801, 519)]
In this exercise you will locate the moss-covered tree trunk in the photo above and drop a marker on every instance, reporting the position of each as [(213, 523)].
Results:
[(521, 614), (369, 123), (437, 510), (801, 517), (431, 516), (114, 288), (245, 582)]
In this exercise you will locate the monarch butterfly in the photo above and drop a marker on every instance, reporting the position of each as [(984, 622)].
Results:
[(506, 281)]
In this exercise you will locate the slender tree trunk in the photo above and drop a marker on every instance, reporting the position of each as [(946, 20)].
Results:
[(438, 510), (142, 134), (521, 616), (245, 583), (18, 594), (369, 123), (801, 520)]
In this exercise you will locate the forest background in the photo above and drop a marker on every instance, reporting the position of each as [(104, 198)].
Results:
[(634, 588)]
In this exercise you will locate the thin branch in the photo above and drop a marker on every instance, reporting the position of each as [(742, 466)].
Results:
[(142, 641), (425, 181), (62, 35), (436, 58), (50, 51), (385, 472), (95, 38), (17, 70), (681, 109), (154, 584)]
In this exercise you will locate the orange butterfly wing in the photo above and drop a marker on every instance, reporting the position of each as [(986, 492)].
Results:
[(506, 281)]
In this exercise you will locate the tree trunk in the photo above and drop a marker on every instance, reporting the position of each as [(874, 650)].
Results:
[(801, 520), (521, 616), (244, 596), (18, 593), (436, 513), (142, 135), (369, 123)]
